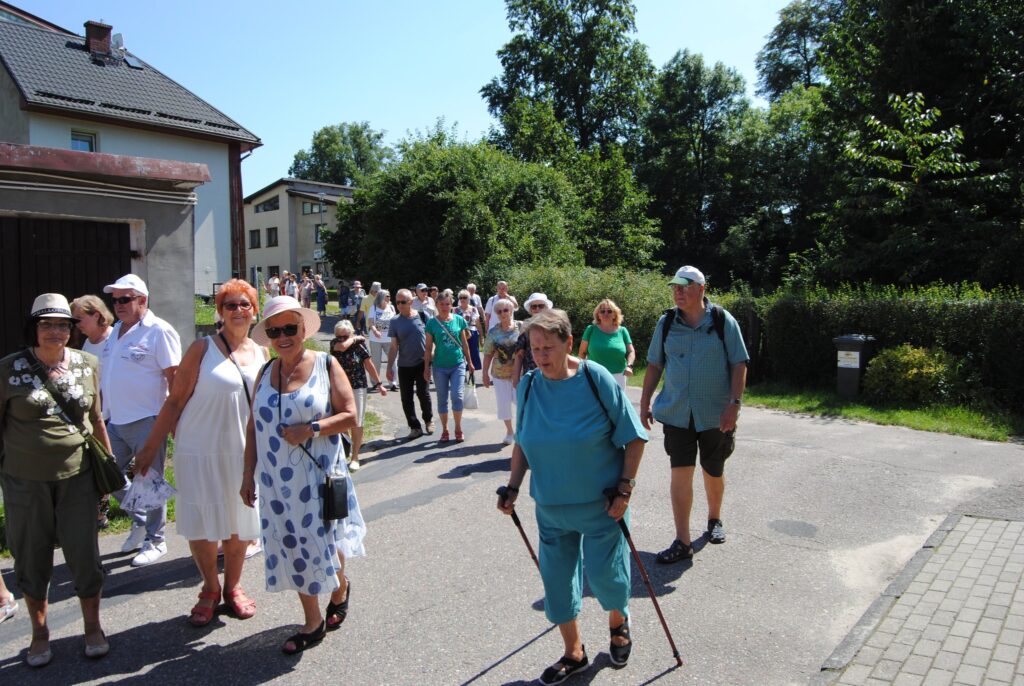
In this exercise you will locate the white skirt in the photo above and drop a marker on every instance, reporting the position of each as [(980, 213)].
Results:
[(208, 506)]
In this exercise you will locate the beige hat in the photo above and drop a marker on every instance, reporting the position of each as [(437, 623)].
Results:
[(51, 306), (285, 303)]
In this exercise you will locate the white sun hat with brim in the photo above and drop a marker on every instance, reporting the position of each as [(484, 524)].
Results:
[(285, 303), (537, 297), (51, 306), (128, 282)]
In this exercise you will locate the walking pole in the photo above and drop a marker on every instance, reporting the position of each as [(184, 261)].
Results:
[(503, 492), (611, 493)]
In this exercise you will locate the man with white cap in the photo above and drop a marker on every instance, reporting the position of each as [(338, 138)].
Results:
[(700, 349), (139, 360), (422, 302)]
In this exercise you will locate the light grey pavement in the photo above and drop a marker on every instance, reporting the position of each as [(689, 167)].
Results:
[(822, 515)]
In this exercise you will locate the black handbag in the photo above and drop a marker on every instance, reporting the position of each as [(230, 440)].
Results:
[(106, 475)]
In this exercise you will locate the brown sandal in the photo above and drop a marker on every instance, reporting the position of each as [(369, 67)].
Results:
[(239, 604)]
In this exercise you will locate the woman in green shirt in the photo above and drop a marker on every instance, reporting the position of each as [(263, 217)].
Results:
[(48, 488), (447, 351), (607, 342)]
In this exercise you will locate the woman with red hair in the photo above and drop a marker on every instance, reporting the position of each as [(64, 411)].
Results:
[(209, 408)]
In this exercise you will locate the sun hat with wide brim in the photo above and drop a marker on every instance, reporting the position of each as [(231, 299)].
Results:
[(285, 303), (537, 298), (51, 306)]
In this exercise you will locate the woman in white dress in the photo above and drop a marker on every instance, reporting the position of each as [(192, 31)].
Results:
[(302, 404), (209, 404)]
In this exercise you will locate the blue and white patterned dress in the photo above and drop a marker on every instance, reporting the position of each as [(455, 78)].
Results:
[(299, 553)]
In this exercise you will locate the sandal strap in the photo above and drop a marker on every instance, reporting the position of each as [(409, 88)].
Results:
[(621, 631)]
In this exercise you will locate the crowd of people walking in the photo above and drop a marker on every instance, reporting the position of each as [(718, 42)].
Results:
[(267, 433)]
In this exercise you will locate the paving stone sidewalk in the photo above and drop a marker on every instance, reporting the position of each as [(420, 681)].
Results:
[(955, 616)]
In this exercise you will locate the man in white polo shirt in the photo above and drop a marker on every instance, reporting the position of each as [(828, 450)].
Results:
[(139, 361)]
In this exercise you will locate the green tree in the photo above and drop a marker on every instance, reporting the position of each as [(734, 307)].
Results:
[(447, 208), (579, 56), (695, 112), (790, 57), (343, 154)]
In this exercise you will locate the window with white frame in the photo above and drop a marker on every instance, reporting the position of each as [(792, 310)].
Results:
[(83, 141)]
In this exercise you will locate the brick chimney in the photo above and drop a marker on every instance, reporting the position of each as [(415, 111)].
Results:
[(97, 37)]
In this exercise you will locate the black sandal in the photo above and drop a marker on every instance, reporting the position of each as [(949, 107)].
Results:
[(338, 611), (302, 641), (675, 552), (620, 654), (563, 669)]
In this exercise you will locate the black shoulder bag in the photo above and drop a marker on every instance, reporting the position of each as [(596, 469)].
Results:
[(334, 496), (106, 475)]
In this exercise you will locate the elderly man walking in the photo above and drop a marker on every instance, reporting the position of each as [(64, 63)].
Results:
[(701, 351), (489, 319), (139, 360), (408, 345)]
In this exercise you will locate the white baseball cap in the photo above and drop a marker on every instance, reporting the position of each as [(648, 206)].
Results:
[(687, 275), (126, 282)]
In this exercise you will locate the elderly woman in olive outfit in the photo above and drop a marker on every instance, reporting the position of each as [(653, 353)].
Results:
[(579, 435), (303, 402), (48, 487), (209, 405)]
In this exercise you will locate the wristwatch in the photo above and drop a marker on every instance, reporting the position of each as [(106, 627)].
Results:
[(315, 426), (735, 401), (629, 482)]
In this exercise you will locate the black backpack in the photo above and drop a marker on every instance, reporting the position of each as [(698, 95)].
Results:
[(717, 325)]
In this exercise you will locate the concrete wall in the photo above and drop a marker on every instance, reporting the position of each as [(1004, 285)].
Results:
[(163, 232), (212, 240), (13, 121)]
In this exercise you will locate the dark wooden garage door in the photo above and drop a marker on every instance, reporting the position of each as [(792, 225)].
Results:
[(55, 256)]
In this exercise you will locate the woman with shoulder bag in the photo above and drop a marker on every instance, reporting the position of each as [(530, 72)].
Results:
[(50, 394), (208, 409)]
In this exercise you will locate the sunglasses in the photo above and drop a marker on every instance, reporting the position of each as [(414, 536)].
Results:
[(606, 311), (343, 338), (501, 311), (124, 299), (287, 330), (537, 306), (401, 302), (53, 326), (463, 297), (241, 305)]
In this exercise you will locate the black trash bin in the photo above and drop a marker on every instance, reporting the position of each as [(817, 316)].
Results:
[(853, 352)]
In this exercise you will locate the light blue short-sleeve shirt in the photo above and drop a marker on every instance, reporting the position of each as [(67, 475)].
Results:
[(697, 380), (573, 450)]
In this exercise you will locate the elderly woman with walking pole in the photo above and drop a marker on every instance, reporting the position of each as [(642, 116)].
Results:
[(579, 434)]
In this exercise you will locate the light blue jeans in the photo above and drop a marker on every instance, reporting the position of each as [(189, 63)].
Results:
[(453, 378), (126, 440)]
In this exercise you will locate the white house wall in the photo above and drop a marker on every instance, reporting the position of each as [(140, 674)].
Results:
[(212, 258)]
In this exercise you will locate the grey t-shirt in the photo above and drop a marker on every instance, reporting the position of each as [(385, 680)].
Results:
[(412, 339)]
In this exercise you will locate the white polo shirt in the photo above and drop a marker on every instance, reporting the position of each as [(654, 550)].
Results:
[(132, 381)]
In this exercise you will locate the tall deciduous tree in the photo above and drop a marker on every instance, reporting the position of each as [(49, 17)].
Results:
[(342, 153), (790, 57), (580, 56), (695, 111)]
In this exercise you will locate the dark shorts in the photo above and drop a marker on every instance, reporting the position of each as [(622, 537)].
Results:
[(715, 447)]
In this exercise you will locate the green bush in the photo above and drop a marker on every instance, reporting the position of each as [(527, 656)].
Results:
[(908, 374)]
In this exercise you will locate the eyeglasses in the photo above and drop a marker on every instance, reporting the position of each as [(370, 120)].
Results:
[(342, 338), (501, 311), (287, 330), (401, 302), (124, 299), (240, 305), (54, 326), (537, 306), (606, 311), (463, 297)]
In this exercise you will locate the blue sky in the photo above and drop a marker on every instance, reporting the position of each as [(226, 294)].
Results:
[(285, 69)]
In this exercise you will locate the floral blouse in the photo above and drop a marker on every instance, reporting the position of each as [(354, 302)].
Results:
[(38, 444)]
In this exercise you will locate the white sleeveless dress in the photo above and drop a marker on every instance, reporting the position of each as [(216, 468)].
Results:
[(209, 447), (299, 552)]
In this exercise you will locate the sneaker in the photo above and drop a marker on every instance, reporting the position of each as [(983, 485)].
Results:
[(150, 553), (136, 537), (430, 428), (716, 532), (415, 432), (353, 466), (393, 387), (509, 439)]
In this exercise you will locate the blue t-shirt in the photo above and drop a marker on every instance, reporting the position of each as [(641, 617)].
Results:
[(694, 363), (573, 451)]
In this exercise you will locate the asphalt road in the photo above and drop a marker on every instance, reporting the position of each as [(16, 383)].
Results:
[(821, 514)]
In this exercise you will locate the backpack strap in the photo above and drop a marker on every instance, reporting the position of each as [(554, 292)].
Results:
[(668, 315), (528, 380), (593, 388)]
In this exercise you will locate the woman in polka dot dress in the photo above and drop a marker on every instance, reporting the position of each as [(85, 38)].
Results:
[(301, 553)]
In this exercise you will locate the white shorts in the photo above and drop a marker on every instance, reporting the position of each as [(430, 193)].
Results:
[(360, 394), (505, 395)]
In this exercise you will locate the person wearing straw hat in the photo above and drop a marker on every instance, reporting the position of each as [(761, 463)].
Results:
[(49, 493), (302, 404)]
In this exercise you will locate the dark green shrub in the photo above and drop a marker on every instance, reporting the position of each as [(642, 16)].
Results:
[(910, 375)]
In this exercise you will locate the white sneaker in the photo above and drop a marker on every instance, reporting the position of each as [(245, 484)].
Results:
[(150, 553), (135, 539), (353, 466), (509, 439)]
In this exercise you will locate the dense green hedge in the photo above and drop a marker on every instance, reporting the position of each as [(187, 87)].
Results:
[(789, 334)]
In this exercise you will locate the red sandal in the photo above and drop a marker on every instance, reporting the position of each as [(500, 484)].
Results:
[(240, 605), (202, 614)]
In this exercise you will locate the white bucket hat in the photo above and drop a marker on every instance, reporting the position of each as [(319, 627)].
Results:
[(537, 297), (285, 303), (51, 306)]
